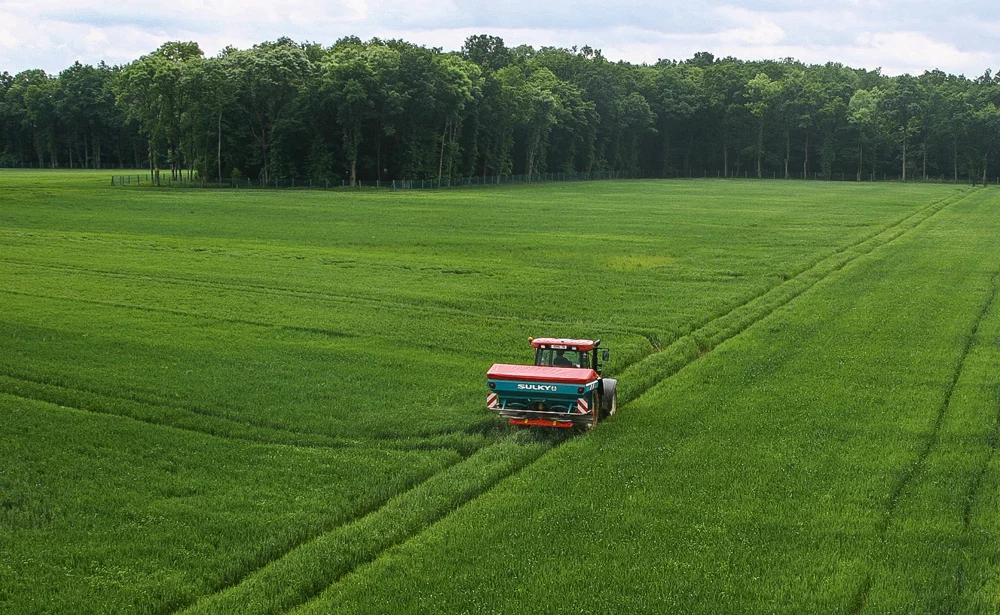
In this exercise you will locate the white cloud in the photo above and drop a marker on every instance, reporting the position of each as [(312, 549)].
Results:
[(914, 52), (752, 27), (899, 37), (96, 37), (7, 38)]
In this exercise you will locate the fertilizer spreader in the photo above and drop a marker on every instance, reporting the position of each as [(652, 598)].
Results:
[(564, 387)]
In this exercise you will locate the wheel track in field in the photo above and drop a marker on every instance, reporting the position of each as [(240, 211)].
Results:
[(976, 485), (185, 313), (914, 470), (280, 585), (911, 473), (829, 265), (215, 425), (330, 527), (653, 337), (659, 345), (893, 230), (225, 414), (703, 339), (979, 476), (263, 289)]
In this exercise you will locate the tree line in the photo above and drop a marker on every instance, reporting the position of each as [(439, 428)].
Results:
[(394, 110)]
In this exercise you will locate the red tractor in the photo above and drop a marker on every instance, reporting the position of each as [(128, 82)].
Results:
[(564, 387)]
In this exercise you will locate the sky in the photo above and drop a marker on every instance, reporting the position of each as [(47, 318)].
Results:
[(960, 37)]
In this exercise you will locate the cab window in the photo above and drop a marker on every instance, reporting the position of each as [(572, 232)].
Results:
[(550, 357)]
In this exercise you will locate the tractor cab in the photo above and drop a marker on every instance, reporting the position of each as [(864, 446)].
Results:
[(560, 352)]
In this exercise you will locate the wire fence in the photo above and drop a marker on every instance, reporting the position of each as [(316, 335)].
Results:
[(495, 180), (388, 184)]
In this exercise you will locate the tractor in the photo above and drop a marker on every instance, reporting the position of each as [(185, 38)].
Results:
[(563, 389)]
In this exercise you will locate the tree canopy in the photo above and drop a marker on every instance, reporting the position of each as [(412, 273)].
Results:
[(394, 110)]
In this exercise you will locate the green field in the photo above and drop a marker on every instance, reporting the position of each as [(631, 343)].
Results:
[(263, 401)]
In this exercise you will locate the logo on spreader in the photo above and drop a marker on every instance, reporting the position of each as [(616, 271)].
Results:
[(537, 387)]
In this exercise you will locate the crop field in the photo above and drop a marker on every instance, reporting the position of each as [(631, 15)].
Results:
[(273, 401)]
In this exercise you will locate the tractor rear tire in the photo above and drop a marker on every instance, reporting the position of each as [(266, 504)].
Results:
[(609, 397)]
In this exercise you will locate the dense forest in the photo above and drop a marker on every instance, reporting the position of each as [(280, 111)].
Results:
[(393, 110)]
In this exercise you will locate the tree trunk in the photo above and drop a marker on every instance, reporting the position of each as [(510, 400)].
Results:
[(904, 157), (805, 160), (925, 159), (451, 153), (725, 158), (788, 152), (263, 153), (444, 139), (861, 158), (378, 150), (194, 155), (760, 150), (530, 159), (955, 156), (218, 150)]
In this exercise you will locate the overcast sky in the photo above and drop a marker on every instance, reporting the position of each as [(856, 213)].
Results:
[(961, 36)]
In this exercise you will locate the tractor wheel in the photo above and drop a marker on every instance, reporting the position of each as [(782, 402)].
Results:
[(609, 397)]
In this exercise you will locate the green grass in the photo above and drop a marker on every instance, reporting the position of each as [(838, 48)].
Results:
[(821, 461), (282, 309), (315, 361), (102, 514)]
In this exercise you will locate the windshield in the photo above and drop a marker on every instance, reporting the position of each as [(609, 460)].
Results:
[(549, 357)]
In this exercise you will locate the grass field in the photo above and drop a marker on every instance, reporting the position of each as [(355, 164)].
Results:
[(258, 401)]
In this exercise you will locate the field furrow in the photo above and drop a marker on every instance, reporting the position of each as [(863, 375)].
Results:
[(165, 514), (210, 424), (755, 479), (639, 377), (303, 572), (932, 438), (341, 301), (827, 266), (931, 557), (262, 402)]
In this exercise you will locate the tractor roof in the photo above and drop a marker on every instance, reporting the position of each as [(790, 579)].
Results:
[(537, 373), (562, 343)]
